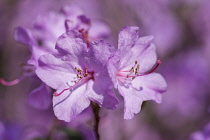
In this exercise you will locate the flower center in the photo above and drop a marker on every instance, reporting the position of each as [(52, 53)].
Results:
[(82, 76), (127, 76)]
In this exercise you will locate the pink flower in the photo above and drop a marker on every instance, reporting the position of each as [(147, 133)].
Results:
[(79, 74), (130, 70)]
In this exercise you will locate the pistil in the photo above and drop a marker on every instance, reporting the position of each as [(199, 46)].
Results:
[(134, 71)]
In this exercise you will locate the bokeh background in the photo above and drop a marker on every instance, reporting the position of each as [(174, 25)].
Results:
[(182, 36)]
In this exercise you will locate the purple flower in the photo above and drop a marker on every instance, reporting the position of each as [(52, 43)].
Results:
[(129, 68), (41, 39), (48, 27), (79, 74), (40, 97)]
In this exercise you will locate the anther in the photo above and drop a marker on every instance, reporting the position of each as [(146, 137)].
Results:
[(136, 70), (136, 62), (76, 83), (132, 69), (153, 69)]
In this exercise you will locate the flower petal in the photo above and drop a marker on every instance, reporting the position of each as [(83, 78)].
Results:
[(153, 84), (103, 87), (72, 45), (99, 54), (132, 101), (99, 30), (22, 35), (148, 87), (146, 58), (127, 37), (48, 27), (55, 72), (71, 103), (113, 67), (40, 97), (36, 53)]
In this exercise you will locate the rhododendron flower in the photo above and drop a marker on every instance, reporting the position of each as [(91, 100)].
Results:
[(130, 69), (41, 39), (79, 74), (48, 27)]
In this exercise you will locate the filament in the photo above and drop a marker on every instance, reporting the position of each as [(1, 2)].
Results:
[(152, 70), (11, 83), (71, 87)]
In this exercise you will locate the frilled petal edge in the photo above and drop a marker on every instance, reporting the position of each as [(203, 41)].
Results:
[(143, 88), (40, 97), (72, 102)]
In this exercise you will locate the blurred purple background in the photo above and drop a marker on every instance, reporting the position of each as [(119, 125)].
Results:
[(182, 35)]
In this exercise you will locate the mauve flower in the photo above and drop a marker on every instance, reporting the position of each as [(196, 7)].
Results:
[(41, 39), (128, 69), (79, 74)]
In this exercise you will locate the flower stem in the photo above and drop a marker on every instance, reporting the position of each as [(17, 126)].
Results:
[(96, 109)]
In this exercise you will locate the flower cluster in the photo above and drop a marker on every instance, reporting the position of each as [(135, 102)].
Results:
[(83, 68), (41, 39), (82, 72)]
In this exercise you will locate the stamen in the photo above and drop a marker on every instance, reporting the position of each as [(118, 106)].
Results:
[(132, 69), (136, 62), (80, 77), (57, 94), (124, 71), (136, 73), (153, 69), (85, 36), (11, 83), (120, 75)]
